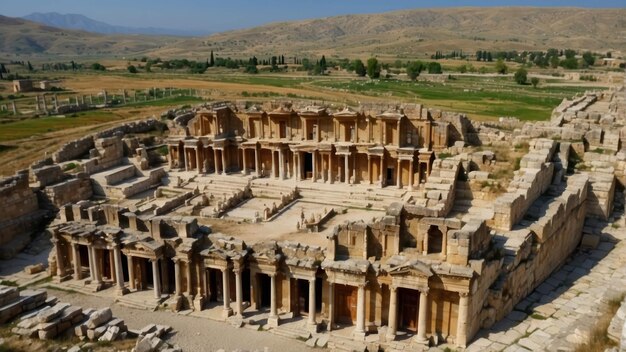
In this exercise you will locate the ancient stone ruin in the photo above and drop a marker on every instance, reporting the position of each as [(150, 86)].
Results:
[(385, 222)]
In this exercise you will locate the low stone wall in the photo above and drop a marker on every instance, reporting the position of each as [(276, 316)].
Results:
[(70, 191), (46, 175), (19, 215), (172, 203), (73, 150)]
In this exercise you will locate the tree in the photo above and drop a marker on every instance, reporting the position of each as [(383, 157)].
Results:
[(434, 68), (501, 67), (251, 68), (359, 68), (98, 67), (211, 60), (534, 81), (132, 69), (489, 58), (479, 55), (588, 59), (30, 67), (554, 61), (373, 68), (570, 54), (521, 76), (570, 63), (323, 64), (414, 68)]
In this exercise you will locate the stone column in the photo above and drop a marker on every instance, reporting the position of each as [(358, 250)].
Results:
[(421, 318), (369, 169), (104, 92), (238, 292), (45, 106), (228, 311), (273, 173), (256, 162), (198, 302), (92, 264), (14, 108), (215, 161), (245, 164), (189, 288), (331, 306), (131, 272), (177, 281), (411, 175), (347, 169), (359, 329), (56, 102), (382, 172), (330, 167), (60, 260), (312, 325), (273, 319), (224, 165), (119, 273), (77, 264), (96, 266), (198, 152), (37, 102), (281, 164), (399, 174), (314, 165), (393, 313), (156, 278), (461, 328)]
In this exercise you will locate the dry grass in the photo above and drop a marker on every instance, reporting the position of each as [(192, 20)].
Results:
[(598, 338)]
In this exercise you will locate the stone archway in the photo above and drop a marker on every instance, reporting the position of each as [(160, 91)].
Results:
[(435, 240)]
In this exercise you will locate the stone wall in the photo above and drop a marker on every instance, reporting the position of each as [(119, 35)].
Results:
[(46, 175), (19, 213), (70, 191), (73, 150)]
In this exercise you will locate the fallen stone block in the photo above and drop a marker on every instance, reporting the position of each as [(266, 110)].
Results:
[(99, 318), (34, 269)]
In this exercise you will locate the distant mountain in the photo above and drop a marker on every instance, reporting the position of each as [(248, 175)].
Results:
[(22, 37), (80, 22), (413, 33)]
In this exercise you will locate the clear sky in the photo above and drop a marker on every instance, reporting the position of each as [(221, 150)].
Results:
[(220, 15)]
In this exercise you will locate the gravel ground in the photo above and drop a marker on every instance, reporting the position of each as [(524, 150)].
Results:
[(191, 333)]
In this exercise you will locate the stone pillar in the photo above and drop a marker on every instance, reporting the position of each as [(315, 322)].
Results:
[(238, 292), (92, 264), (156, 278), (90, 99), (273, 319), (330, 167), (37, 102), (198, 163), (421, 318), (224, 165), (56, 102), (104, 93), (399, 174), (177, 278), (393, 313), (256, 162), (215, 161), (281, 164), (347, 169), (228, 311), (96, 266), (273, 173), (119, 273), (382, 172), (331, 306), (244, 169), (60, 260), (314, 165), (312, 325), (359, 329), (369, 169), (461, 328), (198, 302), (77, 264), (45, 106), (14, 108), (131, 272), (189, 288), (411, 175)]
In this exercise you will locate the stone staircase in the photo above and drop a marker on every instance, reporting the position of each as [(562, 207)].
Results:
[(467, 207), (353, 196)]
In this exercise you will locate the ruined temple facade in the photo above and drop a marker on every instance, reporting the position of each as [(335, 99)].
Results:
[(388, 148), (408, 243)]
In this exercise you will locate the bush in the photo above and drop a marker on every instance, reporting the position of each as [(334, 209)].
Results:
[(434, 68), (98, 67), (501, 67), (521, 76), (132, 69), (534, 81)]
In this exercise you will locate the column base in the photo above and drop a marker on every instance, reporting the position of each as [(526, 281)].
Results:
[(198, 303), (227, 313), (422, 341), (122, 291), (312, 327), (97, 286), (390, 337), (358, 335), (58, 279), (273, 321)]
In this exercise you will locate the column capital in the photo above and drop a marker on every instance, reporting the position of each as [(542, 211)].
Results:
[(393, 287), (463, 294), (424, 291)]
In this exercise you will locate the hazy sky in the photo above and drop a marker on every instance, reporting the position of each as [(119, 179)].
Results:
[(219, 15)]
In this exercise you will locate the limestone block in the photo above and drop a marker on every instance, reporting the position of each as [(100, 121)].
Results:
[(99, 318)]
